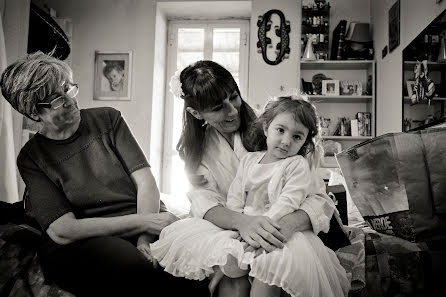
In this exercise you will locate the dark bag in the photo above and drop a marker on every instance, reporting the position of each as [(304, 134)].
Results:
[(335, 238)]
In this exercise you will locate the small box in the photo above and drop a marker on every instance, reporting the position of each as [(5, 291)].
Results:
[(354, 127)]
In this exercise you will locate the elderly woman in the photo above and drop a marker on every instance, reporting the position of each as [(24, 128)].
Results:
[(90, 188), (213, 140)]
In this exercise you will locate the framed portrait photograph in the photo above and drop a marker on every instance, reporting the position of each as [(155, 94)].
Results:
[(112, 75), (330, 87), (351, 87)]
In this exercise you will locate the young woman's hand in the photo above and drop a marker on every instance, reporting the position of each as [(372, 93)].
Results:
[(261, 231), (294, 222)]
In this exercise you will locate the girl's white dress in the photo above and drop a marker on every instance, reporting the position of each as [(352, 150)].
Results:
[(193, 247)]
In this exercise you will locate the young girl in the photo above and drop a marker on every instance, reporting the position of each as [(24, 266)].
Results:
[(272, 182)]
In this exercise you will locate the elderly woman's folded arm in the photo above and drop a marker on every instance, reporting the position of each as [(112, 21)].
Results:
[(67, 229)]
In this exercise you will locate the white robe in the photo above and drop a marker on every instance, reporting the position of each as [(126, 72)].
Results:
[(218, 169)]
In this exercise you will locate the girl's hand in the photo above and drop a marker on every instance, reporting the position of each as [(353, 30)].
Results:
[(261, 231), (250, 248)]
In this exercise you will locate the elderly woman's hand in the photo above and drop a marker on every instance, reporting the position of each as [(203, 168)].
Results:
[(261, 231), (155, 222), (143, 245)]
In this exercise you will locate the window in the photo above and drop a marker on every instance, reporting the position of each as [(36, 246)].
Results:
[(226, 43)]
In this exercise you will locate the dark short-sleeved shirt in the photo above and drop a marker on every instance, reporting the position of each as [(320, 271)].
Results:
[(87, 174)]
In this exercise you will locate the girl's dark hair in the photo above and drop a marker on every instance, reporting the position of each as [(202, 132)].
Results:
[(302, 111), (205, 84)]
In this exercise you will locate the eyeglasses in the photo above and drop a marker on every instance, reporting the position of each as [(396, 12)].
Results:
[(60, 100)]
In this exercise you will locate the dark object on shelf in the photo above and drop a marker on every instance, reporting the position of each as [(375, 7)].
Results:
[(343, 127), (442, 53), (358, 42), (358, 54), (282, 47), (337, 46), (315, 26), (317, 83), (307, 87), (369, 87), (45, 34)]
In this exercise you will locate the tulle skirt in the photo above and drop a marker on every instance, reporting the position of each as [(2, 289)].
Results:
[(192, 248)]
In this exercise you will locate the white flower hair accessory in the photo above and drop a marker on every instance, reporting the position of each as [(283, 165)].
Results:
[(175, 85), (294, 93)]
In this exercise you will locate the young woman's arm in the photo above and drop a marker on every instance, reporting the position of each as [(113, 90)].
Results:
[(208, 203), (314, 214), (257, 231)]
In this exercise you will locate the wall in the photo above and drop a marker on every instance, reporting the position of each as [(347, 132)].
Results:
[(159, 82), (270, 79), (415, 16), (97, 25), (115, 25), (266, 80)]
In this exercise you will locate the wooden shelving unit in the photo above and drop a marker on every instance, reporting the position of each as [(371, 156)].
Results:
[(335, 107)]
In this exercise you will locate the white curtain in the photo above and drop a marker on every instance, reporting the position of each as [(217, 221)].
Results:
[(8, 177)]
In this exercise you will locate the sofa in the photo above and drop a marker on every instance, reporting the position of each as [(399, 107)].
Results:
[(377, 264)]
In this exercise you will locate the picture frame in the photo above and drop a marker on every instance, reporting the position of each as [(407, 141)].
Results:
[(351, 88), (112, 75), (330, 87), (410, 84), (394, 26)]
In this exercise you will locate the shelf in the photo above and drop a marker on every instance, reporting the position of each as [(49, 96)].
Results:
[(408, 101), (431, 66), (340, 99), (336, 64), (347, 137), (333, 107), (318, 11)]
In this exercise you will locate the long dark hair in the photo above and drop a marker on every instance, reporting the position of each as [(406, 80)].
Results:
[(205, 84), (302, 111)]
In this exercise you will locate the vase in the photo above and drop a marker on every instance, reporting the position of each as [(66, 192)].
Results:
[(309, 52)]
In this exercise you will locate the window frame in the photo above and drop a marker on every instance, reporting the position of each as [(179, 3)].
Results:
[(172, 46)]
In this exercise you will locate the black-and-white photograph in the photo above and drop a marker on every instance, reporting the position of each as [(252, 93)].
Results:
[(222, 148)]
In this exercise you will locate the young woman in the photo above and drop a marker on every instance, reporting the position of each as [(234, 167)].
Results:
[(272, 182), (213, 141)]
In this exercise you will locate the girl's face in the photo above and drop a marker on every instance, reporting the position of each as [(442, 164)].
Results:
[(285, 136), (224, 117)]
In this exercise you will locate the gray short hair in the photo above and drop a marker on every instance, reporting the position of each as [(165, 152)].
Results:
[(31, 79)]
